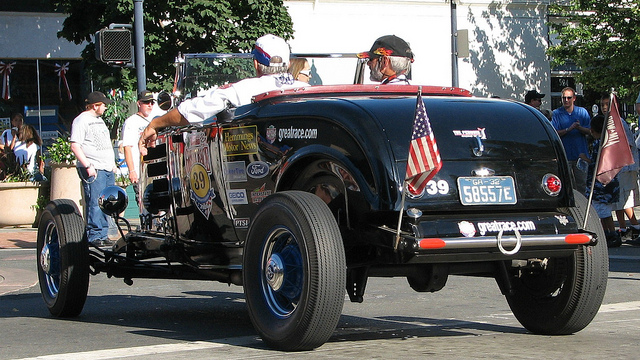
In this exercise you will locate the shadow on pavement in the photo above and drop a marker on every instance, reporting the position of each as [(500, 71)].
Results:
[(207, 315)]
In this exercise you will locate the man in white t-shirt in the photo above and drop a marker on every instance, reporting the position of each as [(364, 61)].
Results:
[(91, 144), (131, 130), (271, 60)]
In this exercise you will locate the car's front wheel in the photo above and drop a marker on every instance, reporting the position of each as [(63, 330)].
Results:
[(294, 271), (63, 259), (564, 297)]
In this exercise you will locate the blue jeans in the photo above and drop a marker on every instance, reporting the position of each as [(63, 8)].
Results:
[(97, 222)]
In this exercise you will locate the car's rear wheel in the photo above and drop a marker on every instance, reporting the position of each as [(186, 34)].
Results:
[(63, 259), (564, 298), (294, 271)]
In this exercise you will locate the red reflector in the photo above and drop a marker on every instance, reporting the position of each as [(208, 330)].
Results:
[(577, 239), (432, 243)]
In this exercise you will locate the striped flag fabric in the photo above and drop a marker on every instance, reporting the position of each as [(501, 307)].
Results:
[(614, 147), (424, 158)]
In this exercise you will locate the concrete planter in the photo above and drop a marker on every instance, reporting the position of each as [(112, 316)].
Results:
[(66, 184), (18, 201)]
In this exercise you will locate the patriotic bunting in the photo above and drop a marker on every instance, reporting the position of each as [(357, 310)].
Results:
[(5, 71), (62, 70)]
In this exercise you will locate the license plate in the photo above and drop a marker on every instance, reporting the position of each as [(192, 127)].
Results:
[(492, 190)]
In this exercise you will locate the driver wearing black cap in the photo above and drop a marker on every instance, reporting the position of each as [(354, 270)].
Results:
[(390, 60), (533, 98)]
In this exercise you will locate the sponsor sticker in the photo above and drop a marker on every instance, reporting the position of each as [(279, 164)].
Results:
[(294, 133), (241, 223), (467, 229), (505, 226), (236, 171), (197, 160), (480, 132), (562, 219), (257, 169), (200, 189), (259, 194), (242, 140), (237, 196), (270, 134)]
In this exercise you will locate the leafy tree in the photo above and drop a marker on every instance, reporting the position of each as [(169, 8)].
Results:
[(172, 27), (603, 39)]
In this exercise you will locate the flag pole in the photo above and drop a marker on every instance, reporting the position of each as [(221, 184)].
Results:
[(404, 194), (603, 135)]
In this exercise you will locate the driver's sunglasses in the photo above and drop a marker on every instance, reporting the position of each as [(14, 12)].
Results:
[(370, 60)]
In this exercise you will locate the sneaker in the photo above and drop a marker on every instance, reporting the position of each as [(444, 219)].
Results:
[(614, 239), (629, 233), (634, 242)]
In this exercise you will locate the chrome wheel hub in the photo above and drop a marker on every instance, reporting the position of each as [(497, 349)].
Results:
[(274, 272)]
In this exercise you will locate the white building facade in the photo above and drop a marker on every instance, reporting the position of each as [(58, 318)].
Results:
[(506, 43), (507, 40)]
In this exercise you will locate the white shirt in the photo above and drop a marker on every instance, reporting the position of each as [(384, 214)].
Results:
[(131, 131), (26, 154), (6, 137), (202, 108), (93, 136)]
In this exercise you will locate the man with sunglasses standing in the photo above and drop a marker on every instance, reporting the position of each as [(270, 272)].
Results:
[(573, 125), (131, 130), (390, 60)]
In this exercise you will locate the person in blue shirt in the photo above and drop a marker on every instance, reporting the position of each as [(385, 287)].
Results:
[(572, 124)]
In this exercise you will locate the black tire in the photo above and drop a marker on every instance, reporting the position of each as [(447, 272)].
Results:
[(63, 259), (566, 297), (294, 271)]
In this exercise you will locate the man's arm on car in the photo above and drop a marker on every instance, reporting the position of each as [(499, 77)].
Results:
[(150, 133)]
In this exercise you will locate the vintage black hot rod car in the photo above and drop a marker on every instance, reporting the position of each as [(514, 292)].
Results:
[(299, 196)]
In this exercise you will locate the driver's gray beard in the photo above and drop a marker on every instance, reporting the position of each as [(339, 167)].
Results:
[(376, 74)]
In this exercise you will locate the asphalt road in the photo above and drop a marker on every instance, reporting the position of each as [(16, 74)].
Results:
[(206, 320)]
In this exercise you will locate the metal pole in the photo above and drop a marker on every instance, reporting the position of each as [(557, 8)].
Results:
[(39, 102), (454, 43), (138, 22)]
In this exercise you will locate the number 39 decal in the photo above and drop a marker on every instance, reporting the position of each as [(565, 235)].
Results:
[(437, 187)]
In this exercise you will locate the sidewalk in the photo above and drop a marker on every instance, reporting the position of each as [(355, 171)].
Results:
[(19, 237)]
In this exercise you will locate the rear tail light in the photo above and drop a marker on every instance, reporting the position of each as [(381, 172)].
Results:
[(551, 184)]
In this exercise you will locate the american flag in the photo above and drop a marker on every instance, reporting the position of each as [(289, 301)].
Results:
[(424, 158)]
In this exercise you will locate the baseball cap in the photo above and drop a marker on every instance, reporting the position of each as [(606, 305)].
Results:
[(97, 97), (532, 94), (145, 95), (269, 46), (388, 45)]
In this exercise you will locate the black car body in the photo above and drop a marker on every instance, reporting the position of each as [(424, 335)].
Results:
[(299, 195)]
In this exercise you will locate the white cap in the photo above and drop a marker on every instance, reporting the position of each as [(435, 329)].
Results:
[(269, 46)]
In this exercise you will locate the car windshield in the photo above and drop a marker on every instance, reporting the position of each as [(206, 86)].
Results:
[(201, 72)]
